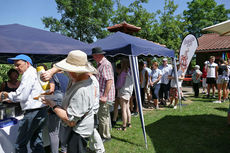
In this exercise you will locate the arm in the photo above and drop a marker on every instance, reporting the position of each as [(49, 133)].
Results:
[(47, 75), (52, 87), (146, 78), (158, 79), (107, 89), (216, 72), (24, 89), (60, 112)]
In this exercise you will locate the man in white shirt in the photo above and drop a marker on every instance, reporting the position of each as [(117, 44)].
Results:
[(211, 75), (31, 126), (166, 70)]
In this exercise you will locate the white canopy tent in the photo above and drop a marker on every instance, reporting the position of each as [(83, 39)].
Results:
[(222, 28)]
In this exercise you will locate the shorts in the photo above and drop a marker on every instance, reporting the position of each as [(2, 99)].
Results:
[(211, 80), (221, 80), (173, 93)]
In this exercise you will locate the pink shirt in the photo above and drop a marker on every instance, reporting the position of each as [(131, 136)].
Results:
[(105, 72), (121, 80)]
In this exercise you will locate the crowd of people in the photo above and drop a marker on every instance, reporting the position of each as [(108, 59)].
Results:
[(212, 76), (79, 112)]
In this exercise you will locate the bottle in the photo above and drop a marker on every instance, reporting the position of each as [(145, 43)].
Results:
[(45, 85)]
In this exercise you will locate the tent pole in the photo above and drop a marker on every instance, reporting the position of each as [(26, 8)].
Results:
[(178, 88), (135, 76)]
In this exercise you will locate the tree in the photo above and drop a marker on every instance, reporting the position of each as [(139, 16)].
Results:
[(170, 28), (81, 19), (137, 15), (204, 13)]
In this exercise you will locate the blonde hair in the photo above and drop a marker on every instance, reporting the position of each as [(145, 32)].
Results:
[(155, 63)]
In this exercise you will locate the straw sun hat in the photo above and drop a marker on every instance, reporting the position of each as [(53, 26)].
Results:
[(76, 61)]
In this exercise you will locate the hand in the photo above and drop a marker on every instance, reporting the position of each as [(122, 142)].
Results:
[(3, 95), (103, 99), (46, 76), (48, 102)]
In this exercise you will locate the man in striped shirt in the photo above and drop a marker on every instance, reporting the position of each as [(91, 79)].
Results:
[(105, 78)]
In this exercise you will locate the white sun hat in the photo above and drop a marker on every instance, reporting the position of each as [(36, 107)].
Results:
[(77, 62)]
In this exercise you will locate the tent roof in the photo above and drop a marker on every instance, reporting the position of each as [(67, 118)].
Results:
[(20, 39), (222, 28), (121, 43)]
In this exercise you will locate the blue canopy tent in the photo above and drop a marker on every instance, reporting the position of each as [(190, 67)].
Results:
[(40, 45), (123, 44)]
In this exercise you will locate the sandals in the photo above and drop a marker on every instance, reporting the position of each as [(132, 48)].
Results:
[(122, 128), (129, 125)]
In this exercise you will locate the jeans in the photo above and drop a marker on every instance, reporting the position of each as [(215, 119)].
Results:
[(77, 144), (163, 92), (155, 91), (53, 128), (30, 129)]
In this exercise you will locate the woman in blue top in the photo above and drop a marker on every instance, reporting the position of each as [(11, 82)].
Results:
[(155, 83)]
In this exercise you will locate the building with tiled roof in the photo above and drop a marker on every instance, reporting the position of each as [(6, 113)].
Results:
[(212, 44)]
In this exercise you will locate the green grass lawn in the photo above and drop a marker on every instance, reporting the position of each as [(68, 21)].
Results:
[(199, 127)]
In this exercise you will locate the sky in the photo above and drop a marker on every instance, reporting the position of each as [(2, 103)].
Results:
[(30, 12)]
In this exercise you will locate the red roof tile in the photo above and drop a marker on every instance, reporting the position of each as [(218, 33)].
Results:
[(213, 42), (124, 25)]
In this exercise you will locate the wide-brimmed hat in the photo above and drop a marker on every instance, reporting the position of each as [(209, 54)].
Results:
[(97, 50), (20, 57), (76, 61)]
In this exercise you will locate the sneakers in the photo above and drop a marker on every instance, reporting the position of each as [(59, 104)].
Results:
[(217, 102), (157, 107), (213, 96), (134, 114), (175, 107)]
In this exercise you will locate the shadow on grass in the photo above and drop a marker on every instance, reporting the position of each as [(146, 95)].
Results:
[(222, 109), (190, 134), (123, 140), (206, 100)]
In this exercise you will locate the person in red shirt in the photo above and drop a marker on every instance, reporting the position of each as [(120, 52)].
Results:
[(204, 77)]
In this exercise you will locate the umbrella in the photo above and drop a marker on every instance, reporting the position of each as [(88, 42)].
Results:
[(222, 28)]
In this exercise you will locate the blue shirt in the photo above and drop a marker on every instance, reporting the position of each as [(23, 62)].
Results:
[(155, 74)]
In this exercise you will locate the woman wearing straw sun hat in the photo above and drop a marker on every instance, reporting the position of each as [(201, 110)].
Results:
[(77, 106)]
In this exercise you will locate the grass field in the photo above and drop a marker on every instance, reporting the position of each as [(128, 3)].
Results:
[(199, 127)]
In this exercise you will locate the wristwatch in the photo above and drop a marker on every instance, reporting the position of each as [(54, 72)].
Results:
[(55, 106)]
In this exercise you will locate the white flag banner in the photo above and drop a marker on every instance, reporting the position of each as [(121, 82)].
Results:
[(187, 50)]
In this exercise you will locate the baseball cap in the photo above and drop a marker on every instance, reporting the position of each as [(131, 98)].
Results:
[(165, 59), (197, 66), (145, 62), (20, 57)]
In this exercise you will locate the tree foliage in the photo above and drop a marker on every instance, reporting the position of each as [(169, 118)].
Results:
[(137, 15), (81, 19), (204, 13), (170, 29)]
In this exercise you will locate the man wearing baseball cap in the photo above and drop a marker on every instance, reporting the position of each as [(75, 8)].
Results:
[(30, 127)]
